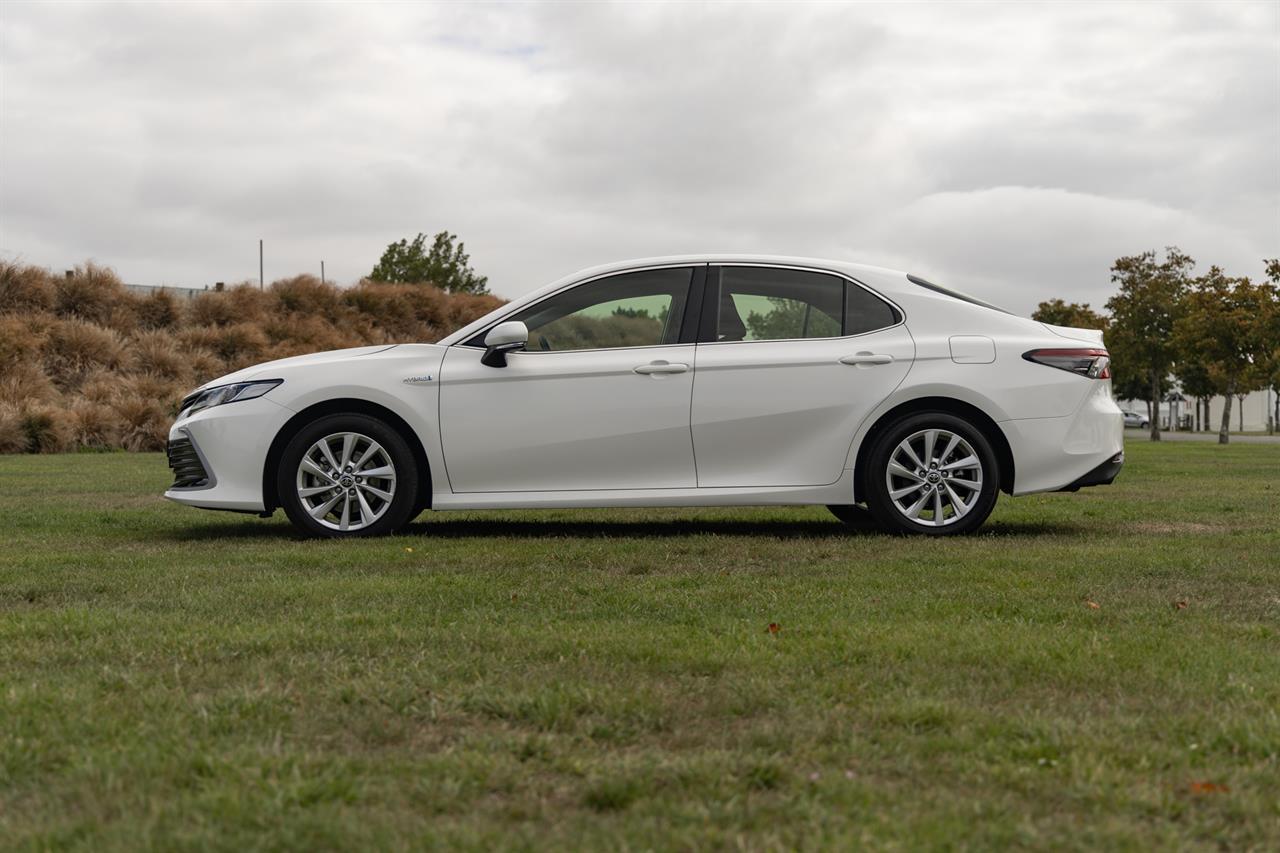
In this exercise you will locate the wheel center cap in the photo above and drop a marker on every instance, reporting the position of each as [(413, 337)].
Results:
[(934, 476), (346, 481)]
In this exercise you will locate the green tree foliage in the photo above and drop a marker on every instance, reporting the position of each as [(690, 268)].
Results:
[(790, 318), (1071, 314), (1143, 314), (445, 265), (1228, 326)]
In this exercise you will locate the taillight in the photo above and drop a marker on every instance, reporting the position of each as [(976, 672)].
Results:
[(1093, 363)]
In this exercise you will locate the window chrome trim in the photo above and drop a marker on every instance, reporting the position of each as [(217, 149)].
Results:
[(822, 271), (692, 266)]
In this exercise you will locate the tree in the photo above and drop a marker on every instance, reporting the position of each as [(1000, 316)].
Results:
[(1229, 323), (1142, 318), (444, 265), (1071, 314), (1197, 383)]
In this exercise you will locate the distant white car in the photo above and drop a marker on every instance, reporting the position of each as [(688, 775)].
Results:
[(1133, 419), (683, 381)]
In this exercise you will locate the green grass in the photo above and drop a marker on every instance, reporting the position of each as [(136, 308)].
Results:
[(177, 679)]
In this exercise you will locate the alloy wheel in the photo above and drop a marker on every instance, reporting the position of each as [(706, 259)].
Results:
[(346, 481), (934, 477)]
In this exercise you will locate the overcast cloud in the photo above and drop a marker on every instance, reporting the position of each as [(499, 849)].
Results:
[(1013, 150)]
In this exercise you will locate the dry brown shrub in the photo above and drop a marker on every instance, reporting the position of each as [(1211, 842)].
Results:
[(234, 305), (24, 288), (13, 434), (199, 338), (91, 293), (463, 308), (48, 428), (95, 425), (20, 340), (240, 345), (162, 390), (158, 352), (158, 310), (401, 312), (73, 348), (204, 366), (144, 423), (100, 386), (26, 382), (305, 294)]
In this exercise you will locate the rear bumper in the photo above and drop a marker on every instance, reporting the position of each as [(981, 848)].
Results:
[(1053, 454), (1103, 475)]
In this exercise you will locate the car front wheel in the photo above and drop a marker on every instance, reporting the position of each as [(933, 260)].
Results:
[(348, 475), (931, 473)]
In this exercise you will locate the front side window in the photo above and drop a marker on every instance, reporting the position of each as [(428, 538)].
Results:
[(635, 309)]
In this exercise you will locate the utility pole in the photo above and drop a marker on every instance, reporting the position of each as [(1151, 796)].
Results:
[(261, 284), (322, 281)]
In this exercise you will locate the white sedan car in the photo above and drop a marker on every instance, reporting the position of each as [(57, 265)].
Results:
[(683, 381)]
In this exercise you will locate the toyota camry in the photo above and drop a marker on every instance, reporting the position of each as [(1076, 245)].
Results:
[(683, 381)]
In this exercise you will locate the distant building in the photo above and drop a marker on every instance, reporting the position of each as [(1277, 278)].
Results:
[(1257, 408), (177, 292)]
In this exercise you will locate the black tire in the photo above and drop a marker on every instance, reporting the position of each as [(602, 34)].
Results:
[(854, 517), (887, 512), (404, 497)]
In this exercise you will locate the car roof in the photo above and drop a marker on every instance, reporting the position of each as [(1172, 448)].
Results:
[(878, 277)]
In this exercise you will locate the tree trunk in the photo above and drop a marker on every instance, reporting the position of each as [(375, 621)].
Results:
[(1240, 409), (1155, 406), (1224, 434), (1198, 401)]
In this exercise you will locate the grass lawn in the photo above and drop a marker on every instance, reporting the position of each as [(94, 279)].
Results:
[(1097, 669)]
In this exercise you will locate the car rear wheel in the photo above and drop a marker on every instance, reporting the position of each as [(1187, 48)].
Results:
[(348, 475), (933, 474)]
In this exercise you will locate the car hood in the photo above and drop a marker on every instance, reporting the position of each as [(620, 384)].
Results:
[(261, 371)]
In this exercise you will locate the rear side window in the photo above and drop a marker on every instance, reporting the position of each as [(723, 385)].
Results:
[(768, 304), (764, 304)]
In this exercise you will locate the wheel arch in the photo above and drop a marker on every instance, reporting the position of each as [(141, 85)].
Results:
[(343, 406), (980, 419)]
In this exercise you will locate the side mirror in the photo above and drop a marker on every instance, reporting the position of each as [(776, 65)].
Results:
[(502, 339)]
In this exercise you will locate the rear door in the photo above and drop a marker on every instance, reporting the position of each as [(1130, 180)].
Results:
[(790, 362)]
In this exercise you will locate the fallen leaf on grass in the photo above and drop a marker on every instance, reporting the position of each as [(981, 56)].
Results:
[(774, 627), (1180, 605), (410, 550), (1092, 605), (1208, 788)]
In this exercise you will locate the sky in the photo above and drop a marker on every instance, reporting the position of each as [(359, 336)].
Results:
[(1011, 150)]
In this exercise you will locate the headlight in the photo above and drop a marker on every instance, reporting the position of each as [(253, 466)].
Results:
[(226, 394)]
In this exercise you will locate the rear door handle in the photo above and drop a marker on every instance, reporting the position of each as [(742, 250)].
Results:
[(661, 367), (867, 358)]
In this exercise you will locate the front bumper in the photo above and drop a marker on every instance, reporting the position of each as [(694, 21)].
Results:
[(230, 443)]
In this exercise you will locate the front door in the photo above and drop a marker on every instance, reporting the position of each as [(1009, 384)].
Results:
[(793, 362), (599, 399)]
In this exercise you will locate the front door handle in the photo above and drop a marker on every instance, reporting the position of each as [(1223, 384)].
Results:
[(867, 358), (661, 367)]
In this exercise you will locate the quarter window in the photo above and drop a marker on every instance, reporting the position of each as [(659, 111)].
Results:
[(630, 310), (866, 312)]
